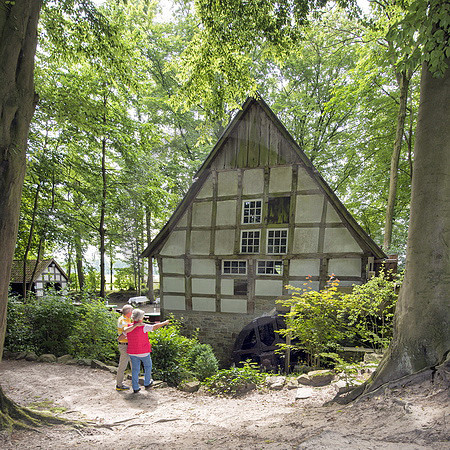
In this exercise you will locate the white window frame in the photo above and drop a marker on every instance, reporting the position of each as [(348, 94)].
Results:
[(259, 217), (237, 269), (269, 231), (241, 241), (274, 262)]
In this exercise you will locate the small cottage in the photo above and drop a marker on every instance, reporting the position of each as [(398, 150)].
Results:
[(257, 218), (39, 276)]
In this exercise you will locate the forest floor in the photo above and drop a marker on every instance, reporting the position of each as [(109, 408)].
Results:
[(413, 417)]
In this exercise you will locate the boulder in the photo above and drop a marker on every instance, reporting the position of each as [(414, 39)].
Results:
[(320, 377), (84, 362), (292, 383), (47, 358), (64, 359), (303, 392), (21, 355), (275, 383), (31, 356), (189, 386), (244, 388), (96, 364)]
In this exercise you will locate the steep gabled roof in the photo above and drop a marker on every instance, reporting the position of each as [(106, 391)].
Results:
[(202, 174), (17, 270)]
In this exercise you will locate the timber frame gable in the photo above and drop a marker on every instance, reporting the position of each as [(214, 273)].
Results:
[(258, 218)]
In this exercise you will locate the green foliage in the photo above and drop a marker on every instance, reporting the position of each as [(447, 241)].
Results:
[(94, 334), (169, 354), (52, 319), (202, 361), (19, 333), (230, 381), (319, 322)]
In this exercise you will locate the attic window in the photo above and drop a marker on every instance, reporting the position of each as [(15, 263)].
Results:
[(278, 210), (270, 267), (251, 211), (250, 241), (277, 241), (234, 267)]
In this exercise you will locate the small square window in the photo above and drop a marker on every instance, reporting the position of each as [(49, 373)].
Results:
[(240, 287), (251, 211), (270, 268), (278, 210), (234, 267), (250, 241), (277, 241)]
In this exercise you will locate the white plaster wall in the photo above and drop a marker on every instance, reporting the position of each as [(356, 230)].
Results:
[(269, 287), (339, 240), (203, 304), (173, 284), (203, 286), (175, 302), (203, 267), (171, 265), (200, 242), (233, 305), (226, 212), (183, 221), (227, 286), (304, 285), (253, 181), (207, 189), (332, 216), (175, 244), (280, 179), (308, 208), (227, 183), (306, 240), (304, 181), (201, 214), (304, 267), (345, 267), (224, 242)]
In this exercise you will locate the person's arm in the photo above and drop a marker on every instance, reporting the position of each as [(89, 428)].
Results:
[(129, 328), (160, 324)]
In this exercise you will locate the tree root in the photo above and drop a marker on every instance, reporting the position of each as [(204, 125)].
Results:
[(433, 374)]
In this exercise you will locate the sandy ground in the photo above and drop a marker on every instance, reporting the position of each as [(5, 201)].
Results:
[(415, 417)]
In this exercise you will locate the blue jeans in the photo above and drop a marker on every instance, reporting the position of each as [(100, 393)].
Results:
[(136, 367)]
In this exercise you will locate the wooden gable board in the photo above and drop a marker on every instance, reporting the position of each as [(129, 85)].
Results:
[(256, 138)]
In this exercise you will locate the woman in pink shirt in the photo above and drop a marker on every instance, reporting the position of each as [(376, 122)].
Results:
[(139, 348)]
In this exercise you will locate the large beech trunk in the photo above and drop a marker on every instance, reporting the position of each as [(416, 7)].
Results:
[(18, 40), (422, 329)]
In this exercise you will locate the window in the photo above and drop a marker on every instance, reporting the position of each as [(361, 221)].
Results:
[(240, 287), (270, 268), (276, 241), (250, 241), (234, 267), (278, 210), (251, 211)]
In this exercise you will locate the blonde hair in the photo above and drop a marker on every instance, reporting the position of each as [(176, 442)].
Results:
[(126, 309)]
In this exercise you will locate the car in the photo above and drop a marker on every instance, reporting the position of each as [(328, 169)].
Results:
[(138, 300)]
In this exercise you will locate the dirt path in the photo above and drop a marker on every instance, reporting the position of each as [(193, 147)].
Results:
[(169, 419)]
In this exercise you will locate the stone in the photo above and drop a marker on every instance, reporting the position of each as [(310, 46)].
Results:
[(47, 358), (162, 384), (31, 356), (342, 387), (244, 388), (96, 364), (372, 357), (292, 383), (275, 383), (8, 355), (64, 359), (320, 377), (304, 379), (84, 362), (303, 392), (189, 386), (21, 355)]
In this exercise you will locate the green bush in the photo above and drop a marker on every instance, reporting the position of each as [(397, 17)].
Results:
[(51, 319), (19, 333), (169, 354), (230, 382), (94, 334), (202, 361)]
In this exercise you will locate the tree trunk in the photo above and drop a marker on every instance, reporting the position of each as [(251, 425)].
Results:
[(421, 327), (393, 176), (79, 261), (102, 221), (18, 40), (151, 291)]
